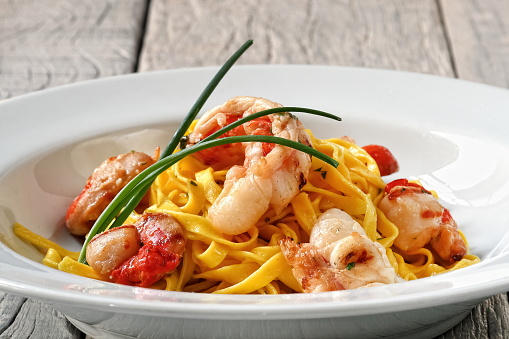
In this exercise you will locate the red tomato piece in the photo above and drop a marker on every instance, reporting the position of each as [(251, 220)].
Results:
[(404, 183), (387, 163)]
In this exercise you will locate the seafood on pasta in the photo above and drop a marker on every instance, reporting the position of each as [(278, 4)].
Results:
[(263, 218)]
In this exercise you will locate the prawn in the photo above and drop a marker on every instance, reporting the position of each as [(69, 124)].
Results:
[(139, 254), (338, 256), (262, 175), (421, 220), (102, 186)]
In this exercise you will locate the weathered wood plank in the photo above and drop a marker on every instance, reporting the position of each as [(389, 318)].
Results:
[(403, 35), (35, 319), (478, 34), (77, 40), (49, 43), (9, 308), (488, 320), (479, 39)]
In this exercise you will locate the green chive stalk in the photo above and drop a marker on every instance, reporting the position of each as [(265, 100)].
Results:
[(129, 197)]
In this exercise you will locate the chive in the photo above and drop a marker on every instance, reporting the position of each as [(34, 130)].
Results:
[(150, 174), (191, 115), (322, 172), (137, 187), (193, 112), (161, 165), (135, 197), (130, 196), (267, 112), (350, 266), (106, 218)]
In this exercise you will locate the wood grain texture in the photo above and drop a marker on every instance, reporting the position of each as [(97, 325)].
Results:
[(402, 35), (33, 319), (49, 43), (488, 320), (479, 39), (478, 35), (9, 307)]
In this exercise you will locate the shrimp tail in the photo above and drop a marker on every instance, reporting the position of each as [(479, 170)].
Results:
[(309, 267), (422, 220), (449, 243)]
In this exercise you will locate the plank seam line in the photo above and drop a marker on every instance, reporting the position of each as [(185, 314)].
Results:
[(447, 37), (141, 39), (16, 310)]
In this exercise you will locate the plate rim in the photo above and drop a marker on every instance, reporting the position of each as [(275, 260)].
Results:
[(125, 305)]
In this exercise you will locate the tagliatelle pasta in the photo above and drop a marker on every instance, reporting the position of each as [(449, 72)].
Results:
[(253, 262), (268, 222)]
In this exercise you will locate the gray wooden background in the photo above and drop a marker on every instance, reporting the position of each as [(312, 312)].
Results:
[(47, 43)]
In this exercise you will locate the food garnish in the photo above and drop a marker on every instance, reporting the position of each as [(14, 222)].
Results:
[(130, 196)]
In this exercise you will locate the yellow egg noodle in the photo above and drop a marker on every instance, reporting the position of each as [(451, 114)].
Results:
[(253, 262)]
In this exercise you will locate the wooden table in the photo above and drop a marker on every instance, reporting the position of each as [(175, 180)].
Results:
[(45, 43)]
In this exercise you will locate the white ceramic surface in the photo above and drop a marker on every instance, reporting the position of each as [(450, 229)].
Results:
[(450, 134)]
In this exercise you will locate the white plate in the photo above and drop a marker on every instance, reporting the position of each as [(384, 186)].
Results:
[(450, 134)]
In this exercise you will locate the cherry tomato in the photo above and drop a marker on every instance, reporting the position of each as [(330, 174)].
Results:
[(404, 183), (387, 163)]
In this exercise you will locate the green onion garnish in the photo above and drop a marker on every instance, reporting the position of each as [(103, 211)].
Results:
[(350, 266), (193, 112), (118, 204), (129, 197), (267, 112)]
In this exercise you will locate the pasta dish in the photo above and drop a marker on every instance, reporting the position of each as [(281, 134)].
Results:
[(257, 217), (246, 200)]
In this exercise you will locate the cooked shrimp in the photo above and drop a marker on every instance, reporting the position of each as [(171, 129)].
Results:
[(310, 267), (338, 256), (107, 250), (224, 156), (243, 200), (332, 226), (267, 174), (139, 254), (361, 262), (102, 186), (422, 220)]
